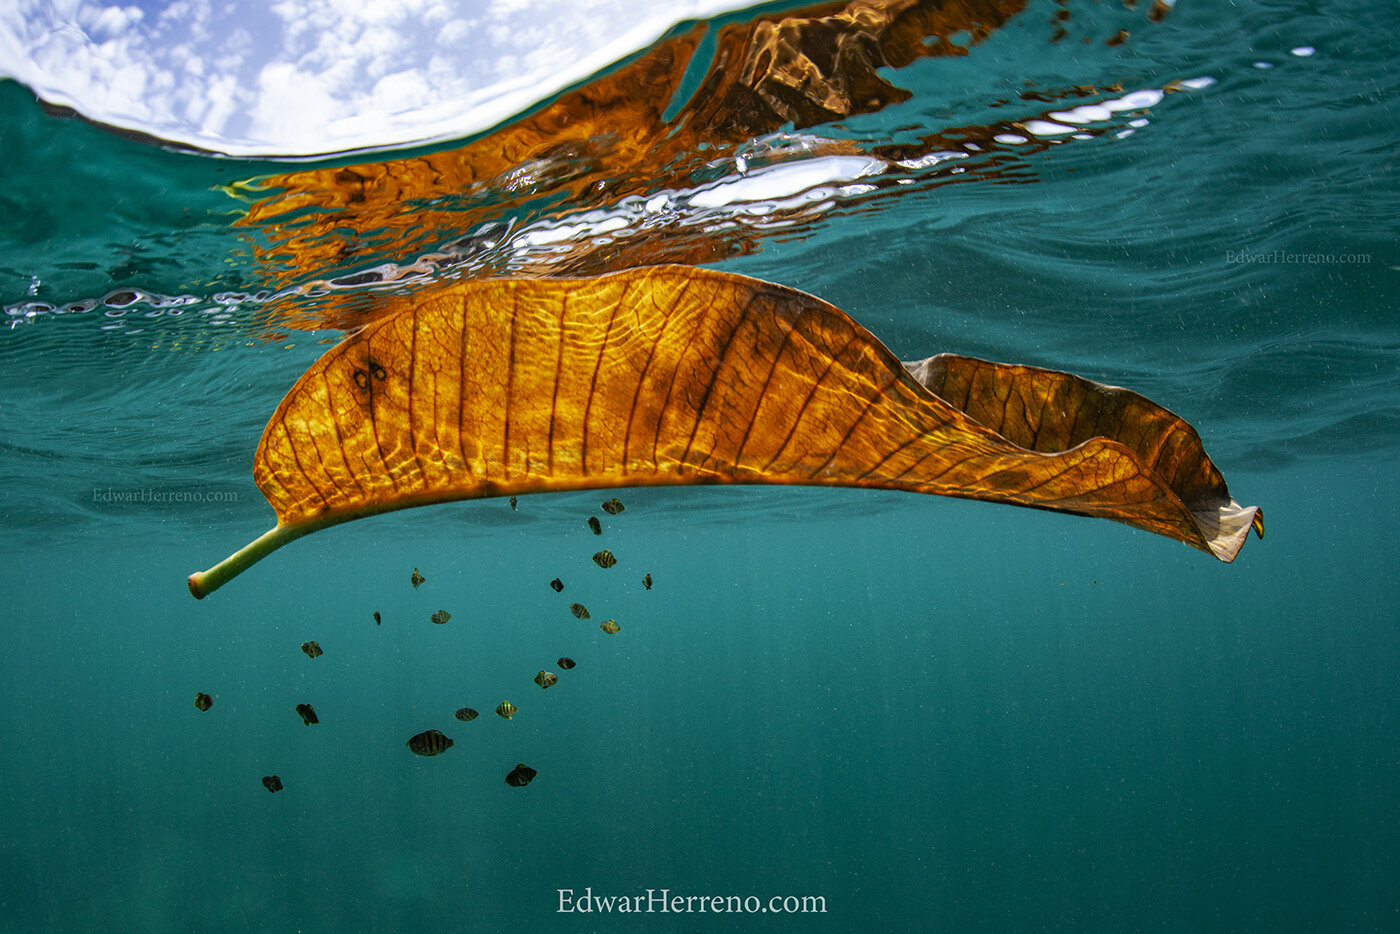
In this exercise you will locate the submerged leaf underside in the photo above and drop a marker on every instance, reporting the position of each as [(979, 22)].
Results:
[(676, 375)]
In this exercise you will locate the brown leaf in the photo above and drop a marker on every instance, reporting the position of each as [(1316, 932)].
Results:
[(676, 375)]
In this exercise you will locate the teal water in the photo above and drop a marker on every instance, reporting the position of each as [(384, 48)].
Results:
[(933, 714)]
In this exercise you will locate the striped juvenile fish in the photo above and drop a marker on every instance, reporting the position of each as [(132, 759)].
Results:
[(546, 679), (308, 715), (441, 616), (610, 627), (557, 584), (203, 701), (566, 663), (579, 610), (429, 743), (595, 525), (646, 581), (272, 783), (312, 649), (506, 710), (417, 579), (613, 506), (604, 559), (466, 715)]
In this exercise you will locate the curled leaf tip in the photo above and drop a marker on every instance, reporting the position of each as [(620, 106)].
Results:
[(674, 375)]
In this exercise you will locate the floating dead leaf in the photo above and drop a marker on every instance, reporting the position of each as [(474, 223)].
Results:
[(674, 375)]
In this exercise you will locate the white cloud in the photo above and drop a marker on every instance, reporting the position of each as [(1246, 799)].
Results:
[(294, 77)]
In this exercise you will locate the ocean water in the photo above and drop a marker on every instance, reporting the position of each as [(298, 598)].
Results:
[(922, 713)]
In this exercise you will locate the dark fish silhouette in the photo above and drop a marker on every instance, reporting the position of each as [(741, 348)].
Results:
[(604, 559), (557, 584), (466, 715), (613, 506), (272, 783), (417, 578), (579, 610), (520, 776), (376, 617), (610, 627), (429, 743), (308, 715), (566, 663), (546, 679), (312, 649), (441, 616), (203, 701), (595, 525), (506, 710), (646, 581), (512, 502)]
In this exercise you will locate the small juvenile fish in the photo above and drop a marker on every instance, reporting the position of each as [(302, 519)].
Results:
[(466, 715), (203, 701), (557, 584), (506, 710), (512, 503), (417, 578), (441, 616), (646, 581), (376, 617), (566, 663), (308, 715), (272, 783), (604, 559), (429, 743), (595, 525), (312, 649), (579, 610), (613, 506), (610, 627), (546, 679), (520, 776)]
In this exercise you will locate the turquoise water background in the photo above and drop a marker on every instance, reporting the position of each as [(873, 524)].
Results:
[(933, 714)]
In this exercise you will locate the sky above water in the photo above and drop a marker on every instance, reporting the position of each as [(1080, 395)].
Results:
[(301, 77)]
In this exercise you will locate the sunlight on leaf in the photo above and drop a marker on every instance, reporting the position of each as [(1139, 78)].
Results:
[(676, 375)]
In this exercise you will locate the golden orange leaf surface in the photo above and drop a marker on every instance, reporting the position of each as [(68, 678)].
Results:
[(677, 375)]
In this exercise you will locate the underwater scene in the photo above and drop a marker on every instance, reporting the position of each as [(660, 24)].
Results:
[(702, 498)]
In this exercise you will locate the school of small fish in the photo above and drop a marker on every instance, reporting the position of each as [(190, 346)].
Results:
[(433, 742)]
